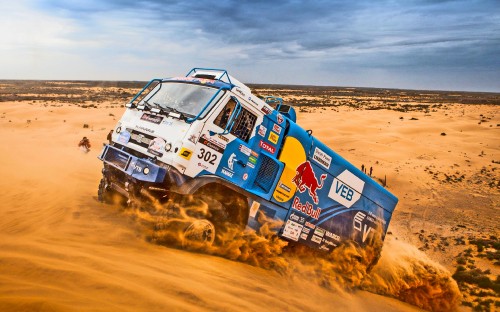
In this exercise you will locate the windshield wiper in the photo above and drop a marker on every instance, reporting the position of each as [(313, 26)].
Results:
[(176, 111), (147, 103)]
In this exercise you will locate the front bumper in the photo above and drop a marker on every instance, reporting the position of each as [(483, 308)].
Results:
[(138, 168)]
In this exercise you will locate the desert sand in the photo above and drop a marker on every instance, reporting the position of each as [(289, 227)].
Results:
[(62, 250)]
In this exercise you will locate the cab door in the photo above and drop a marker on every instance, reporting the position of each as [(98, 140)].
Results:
[(223, 147)]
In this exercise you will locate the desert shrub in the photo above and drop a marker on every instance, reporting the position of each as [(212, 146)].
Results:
[(475, 277)]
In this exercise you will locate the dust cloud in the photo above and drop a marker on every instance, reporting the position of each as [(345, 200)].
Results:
[(402, 272)]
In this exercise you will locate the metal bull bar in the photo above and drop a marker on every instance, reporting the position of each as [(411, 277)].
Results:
[(138, 168)]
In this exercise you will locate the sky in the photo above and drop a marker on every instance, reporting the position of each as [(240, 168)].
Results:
[(406, 44)]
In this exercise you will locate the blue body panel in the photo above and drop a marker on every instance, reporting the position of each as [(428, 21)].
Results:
[(133, 166)]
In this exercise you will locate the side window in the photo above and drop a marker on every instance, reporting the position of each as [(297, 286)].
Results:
[(244, 123), (225, 113)]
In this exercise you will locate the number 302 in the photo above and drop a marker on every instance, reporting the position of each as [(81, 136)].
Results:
[(207, 156)]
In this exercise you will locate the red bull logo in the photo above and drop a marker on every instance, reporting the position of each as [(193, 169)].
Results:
[(306, 208), (306, 178)]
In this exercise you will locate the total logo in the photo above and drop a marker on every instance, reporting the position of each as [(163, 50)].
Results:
[(306, 178), (346, 189), (268, 148)]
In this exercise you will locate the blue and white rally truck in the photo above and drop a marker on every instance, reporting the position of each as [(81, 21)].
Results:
[(206, 135)]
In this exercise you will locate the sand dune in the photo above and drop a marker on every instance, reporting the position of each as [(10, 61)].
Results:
[(62, 250)]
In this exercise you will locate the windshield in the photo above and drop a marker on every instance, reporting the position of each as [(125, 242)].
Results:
[(185, 98)]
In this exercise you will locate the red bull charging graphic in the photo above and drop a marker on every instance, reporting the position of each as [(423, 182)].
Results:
[(306, 178)]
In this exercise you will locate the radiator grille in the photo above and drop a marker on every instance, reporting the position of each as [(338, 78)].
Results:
[(140, 138), (267, 173)]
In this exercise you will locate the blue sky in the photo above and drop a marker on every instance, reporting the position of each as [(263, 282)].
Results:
[(426, 44)]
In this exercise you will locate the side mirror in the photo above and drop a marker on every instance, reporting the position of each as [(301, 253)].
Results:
[(289, 112)]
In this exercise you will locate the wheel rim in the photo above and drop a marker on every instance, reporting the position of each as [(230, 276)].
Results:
[(199, 233)]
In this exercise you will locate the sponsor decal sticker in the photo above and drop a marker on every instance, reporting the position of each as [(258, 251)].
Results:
[(124, 137), (280, 118), (231, 160), (145, 129), (332, 235), (276, 128), (216, 146), (284, 187), (245, 176), (227, 172), (273, 137), (203, 166), (303, 236), (249, 164), (238, 90), (266, 110), (136, 167), (319, 231), (230, 166), (329, 243), (306, 208), (245, 149), (322, 158), (151, 118), (156, 146), (306, 230), (262, 130), (305, 178), (223, 138), (267, 147), (254, 209), (310, 225), (252, 159), (316, 239), (251, 100), (346, 189), (186, 153), (292, 230), (297, 218), (294, 217)]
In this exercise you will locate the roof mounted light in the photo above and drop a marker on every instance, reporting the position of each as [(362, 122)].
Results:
[(156, 110), (141, 107), (130, 105), (175, 115)]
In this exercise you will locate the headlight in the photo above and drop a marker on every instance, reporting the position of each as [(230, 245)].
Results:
[(145, 171), (168, 147)]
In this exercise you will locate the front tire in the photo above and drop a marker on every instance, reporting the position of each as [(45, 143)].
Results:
[(103, 192)]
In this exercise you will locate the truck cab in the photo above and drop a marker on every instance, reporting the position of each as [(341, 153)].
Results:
[(206, 135)]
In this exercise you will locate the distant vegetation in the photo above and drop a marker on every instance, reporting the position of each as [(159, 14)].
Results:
[(94, 92)]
